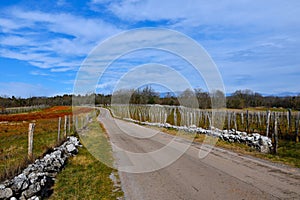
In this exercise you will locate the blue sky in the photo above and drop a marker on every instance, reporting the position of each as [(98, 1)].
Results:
[(255, 44)]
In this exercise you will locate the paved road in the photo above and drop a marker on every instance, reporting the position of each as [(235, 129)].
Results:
[(220, 175)]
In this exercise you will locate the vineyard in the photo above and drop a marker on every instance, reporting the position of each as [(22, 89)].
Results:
[(21, 109), (49, 123), (260, 121)]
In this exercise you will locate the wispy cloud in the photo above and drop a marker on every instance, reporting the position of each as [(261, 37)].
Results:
[(23, 89), (39, 73), (218, 13), (58, 41), (62, 69)]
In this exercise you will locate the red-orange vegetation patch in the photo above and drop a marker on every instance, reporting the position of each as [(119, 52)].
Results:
[(59, 109), (13, 128), (49, 113)]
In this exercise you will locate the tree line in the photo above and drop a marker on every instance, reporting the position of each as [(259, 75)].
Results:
[(64, 100), (239, 99)]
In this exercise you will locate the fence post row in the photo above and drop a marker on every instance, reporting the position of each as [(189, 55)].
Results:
[(248, 121)]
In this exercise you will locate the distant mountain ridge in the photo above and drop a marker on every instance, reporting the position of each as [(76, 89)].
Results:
[(285, 94)]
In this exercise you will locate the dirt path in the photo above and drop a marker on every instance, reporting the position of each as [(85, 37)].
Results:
[(220, 175)]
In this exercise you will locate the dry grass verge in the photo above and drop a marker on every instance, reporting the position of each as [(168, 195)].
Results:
[(85, 176)]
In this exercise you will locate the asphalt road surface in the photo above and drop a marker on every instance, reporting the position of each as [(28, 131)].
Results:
[(220, 175)]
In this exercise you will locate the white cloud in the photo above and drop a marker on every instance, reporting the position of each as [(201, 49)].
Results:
[(39, 73), (62, 69), (195, 13), (14, 41), (90, 29), (9, 24), (106, 85), (58, 41), (23, 55)]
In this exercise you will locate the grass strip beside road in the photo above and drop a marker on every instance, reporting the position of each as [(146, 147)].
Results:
[(85, 177)]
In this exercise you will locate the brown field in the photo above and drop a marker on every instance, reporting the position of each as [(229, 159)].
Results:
[(14, 136), (49, 113)]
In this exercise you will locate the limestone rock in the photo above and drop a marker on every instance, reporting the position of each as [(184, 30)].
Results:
[(71, 148), (6, 193)]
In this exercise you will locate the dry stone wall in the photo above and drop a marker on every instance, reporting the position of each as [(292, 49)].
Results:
[(35, 181)]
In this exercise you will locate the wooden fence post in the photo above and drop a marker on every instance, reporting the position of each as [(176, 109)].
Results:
[(242, 118), (65, 126), (228, 121), (76, 122), (87, 119), (247, 121), (58, 130), (268, 122), (289, 118), (235, 124), (73, 122), (259, 119), (275, 134), (30, 140), (297, 127), (69, 125)]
